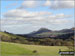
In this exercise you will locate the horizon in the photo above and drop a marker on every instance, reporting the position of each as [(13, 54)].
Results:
[(36, 30), (22, 17)]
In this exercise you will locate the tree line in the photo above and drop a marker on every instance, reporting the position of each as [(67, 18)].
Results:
[(38, 41)]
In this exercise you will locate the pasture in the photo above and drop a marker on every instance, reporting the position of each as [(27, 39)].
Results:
[(23, 49)]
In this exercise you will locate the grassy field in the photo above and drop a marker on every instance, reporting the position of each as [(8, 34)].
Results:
[(21, 49)]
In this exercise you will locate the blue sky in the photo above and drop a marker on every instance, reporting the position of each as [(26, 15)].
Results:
[(21, 17)]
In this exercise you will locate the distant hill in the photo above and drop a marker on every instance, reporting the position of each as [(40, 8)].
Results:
[(41, 30), (44, 32), (67, 30), (40, 37), (41, 33)]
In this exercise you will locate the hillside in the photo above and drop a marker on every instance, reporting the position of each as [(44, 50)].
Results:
[(21, 49), (43, 32), (9, 37), (52, 38), (13, 49)]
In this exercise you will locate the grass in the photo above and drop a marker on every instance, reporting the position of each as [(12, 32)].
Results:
[(22, 49), (13, 49)]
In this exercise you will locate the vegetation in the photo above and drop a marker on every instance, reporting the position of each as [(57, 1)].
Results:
[(11, 48), (7, 37), (18, 44), (23, 49)]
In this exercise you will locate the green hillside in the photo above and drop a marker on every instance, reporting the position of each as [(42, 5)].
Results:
[(22, 49), (8, 37), (13, 49)]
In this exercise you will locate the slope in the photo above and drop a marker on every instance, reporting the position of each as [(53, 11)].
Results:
[(13, 49), (21, 49)]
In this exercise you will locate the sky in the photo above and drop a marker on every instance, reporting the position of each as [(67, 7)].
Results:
[(25, 16)]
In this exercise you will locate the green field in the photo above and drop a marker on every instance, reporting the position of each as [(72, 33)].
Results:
[(22, 49)]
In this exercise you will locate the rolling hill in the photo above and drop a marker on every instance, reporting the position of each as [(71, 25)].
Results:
[(22, 49), (13, 49), (13, 44), (40, 37), (43, 32), (9, 37)]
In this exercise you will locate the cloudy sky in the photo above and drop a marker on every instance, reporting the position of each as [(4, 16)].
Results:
[(24, 16)]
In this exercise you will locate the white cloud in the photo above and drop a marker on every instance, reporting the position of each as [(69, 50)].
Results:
[(30, 4), (16, 13), (20, 19), (48, 3), (19, 16), (60, 4), (25, 14), (60, 16), (55, 4)]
